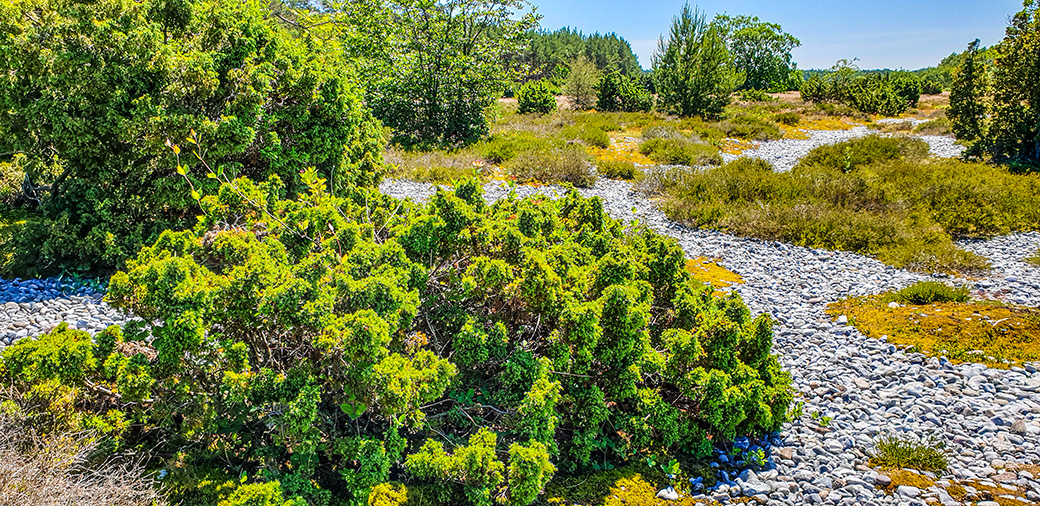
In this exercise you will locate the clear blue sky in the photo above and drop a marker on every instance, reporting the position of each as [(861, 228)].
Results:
[(907, 34)]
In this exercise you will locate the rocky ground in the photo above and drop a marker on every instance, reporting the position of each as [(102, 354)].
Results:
[(785, 153), (854, 388)]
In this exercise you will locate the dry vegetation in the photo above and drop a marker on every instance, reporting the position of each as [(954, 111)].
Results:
[(55, 469)]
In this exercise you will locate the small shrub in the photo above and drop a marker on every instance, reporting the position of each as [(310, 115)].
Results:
[(595, 137), (931, 85), (750, 128), (569, 164), (893, 452), (928, 292), (753, 95), (617, 169), (680, 152), (788, 118), (940, 126), (847, 156), (536, 97), (662, 132), (501, 148)]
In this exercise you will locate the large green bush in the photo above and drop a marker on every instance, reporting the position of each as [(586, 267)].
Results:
[(536, 97), (91, 92), (327, 344), (617, 92)]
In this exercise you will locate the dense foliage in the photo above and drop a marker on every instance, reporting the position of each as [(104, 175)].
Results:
[(761, 52), (968, 109), (619, 93), (550, 54), (883, 93), (90, 93), (1015, 124), (536, 97), (312, 349), (446, 67), (693, 71)]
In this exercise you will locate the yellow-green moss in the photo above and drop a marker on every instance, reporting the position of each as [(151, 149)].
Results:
[(987, 332), (708, 271)]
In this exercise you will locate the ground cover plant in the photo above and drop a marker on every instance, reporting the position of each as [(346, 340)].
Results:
[(893, 452), (313, 350), (1034, 258), (870, 195), (988, 332)]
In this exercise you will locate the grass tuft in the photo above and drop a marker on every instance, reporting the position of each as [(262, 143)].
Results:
[(680, 152), (569, 164), (929, 292), (894, 452), (618, 169)]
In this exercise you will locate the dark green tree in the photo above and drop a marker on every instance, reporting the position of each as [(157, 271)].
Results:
[(968, 108), (761, 51), (1015, 129), (693, 70)]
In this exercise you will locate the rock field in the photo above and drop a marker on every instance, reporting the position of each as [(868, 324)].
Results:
[(989, 419)]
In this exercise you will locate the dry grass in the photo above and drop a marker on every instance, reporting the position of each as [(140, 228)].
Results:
[(54, 470)]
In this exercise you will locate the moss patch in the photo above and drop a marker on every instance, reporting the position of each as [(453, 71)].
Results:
[(708, 271), (908, 478), (986, 332), (1035, 259)]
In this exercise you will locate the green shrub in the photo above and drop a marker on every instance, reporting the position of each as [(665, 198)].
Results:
[(617, 92), (931, 85), (536, 97), (750, 128), (595, 137), (662, 132), (893, 452), (680, 152), (321, 342), (569, 164), (617, 169), (815, 90), (929, 292), (693, 72), (262, 102), (940, 126), (905, 212), (847, 156), (788, 118)]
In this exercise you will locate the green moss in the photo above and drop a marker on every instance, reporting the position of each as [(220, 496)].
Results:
[(1034, 259), (987, 332)]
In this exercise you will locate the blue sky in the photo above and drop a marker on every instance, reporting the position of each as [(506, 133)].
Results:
[(907, 34)]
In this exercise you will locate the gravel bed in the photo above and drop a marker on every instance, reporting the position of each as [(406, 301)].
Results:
[(988, 418), (785, 153), (32, 307)]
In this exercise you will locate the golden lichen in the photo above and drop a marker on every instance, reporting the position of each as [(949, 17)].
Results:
[(708, 271), (908, 478), (987, 332), (623, 146)]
